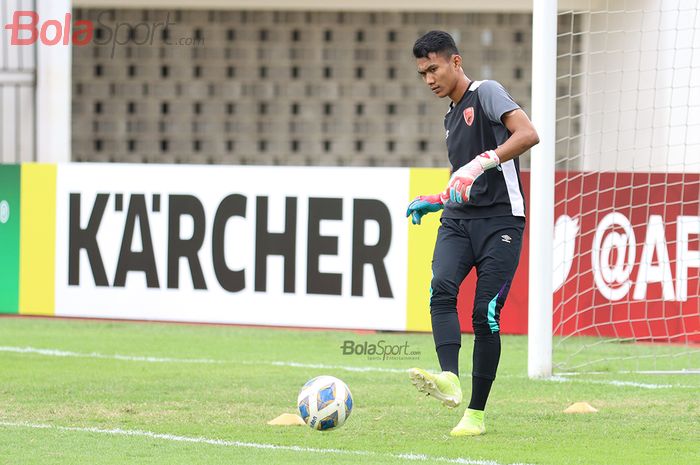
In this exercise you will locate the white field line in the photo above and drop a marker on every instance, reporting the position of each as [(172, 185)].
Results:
[(691, 371), (339, 367), (564, 379), (128, 358), (149, 359), (253, 445), (356, 369)]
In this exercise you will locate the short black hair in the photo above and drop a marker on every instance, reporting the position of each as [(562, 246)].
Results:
[(439, 42)]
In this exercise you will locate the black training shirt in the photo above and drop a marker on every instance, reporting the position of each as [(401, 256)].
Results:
[(473, 126)]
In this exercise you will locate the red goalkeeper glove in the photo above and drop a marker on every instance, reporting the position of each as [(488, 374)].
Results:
[(463, 179)]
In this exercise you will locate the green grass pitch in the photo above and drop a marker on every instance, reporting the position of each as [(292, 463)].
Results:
[(87, 392)]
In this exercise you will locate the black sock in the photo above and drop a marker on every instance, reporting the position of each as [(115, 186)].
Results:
[(448, 355), (480, 392), (487, 352)]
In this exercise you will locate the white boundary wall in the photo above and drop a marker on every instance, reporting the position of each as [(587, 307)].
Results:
[(35, 88), (641, 91), (53, 92)]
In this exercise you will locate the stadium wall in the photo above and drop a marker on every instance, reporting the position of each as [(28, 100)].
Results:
[(267, 87), (315, 5), (322, 247)]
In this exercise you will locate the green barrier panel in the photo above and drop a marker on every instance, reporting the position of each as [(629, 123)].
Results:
[(9, 238)]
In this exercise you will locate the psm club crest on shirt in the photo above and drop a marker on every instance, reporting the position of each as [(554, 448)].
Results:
[(469, 115)]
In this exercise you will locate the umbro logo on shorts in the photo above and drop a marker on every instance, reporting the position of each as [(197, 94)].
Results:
[(506, 238)]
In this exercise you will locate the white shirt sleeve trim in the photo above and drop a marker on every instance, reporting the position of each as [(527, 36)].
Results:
[(475, 85), (517, 203)]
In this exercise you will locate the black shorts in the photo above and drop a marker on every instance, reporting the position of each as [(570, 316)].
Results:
[(492, 246)]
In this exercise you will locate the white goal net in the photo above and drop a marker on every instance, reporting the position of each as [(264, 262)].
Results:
[(627, 195)]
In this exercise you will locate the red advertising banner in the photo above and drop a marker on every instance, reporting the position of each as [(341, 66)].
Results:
[(626, 259)]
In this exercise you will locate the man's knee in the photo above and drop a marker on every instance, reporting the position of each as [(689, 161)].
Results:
[(485, 328), (485, 319), (443, 293)]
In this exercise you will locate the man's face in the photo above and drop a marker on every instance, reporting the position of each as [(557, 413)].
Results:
[(440, 73)]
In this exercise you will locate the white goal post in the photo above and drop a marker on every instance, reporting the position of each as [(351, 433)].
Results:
[(544, 62)]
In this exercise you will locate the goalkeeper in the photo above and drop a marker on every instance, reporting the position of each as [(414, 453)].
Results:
[(482, 222)]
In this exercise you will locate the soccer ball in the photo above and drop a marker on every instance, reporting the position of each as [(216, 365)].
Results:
[(325, 402)]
